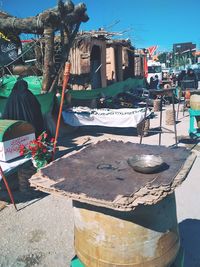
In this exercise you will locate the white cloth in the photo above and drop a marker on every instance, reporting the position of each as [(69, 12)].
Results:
[(124, 117), (8, 166)]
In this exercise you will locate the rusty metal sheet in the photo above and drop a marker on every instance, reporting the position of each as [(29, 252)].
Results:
[(100, 173)]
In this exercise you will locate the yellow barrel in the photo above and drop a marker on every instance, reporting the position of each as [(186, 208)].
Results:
[(195, 102), (147, 236)]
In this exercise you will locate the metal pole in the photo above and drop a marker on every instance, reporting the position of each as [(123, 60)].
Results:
[(7, 187)]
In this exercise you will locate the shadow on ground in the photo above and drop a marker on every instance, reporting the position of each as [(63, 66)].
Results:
[(190, 241), (189, 142), (20, 187)]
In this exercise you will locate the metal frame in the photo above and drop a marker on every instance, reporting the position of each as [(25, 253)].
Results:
[(161, 93)]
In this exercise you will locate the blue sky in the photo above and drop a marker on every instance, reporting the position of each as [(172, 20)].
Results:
[(145, 22)]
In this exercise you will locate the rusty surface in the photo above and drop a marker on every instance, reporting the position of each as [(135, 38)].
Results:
[(100, 174), (147, 236)]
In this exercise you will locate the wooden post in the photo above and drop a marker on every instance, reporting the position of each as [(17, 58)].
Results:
[(48, 72), (64, 86)]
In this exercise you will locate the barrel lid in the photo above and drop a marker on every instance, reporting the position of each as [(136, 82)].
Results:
[(10, 129)]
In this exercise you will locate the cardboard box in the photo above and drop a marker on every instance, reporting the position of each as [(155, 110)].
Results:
[(12, 135)]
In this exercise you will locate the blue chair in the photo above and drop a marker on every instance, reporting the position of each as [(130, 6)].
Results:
[(76, 262), (193, 132)]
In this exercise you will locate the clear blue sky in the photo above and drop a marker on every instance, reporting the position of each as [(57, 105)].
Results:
[(147, 22)]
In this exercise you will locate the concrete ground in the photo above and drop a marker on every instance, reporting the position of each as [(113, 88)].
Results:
[(41, 232)]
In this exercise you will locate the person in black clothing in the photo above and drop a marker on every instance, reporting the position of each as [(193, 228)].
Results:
[(23, 105), (151, 83), (190, 79), (154, 82), (181, 77)]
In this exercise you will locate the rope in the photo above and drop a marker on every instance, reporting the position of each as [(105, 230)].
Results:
[(39, 23), (13, 21)]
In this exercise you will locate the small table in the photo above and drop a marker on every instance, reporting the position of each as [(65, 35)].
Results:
[(162, 93), (8, 168)]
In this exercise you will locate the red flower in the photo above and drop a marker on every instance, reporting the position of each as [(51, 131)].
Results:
[(39, 149), (45, 135), (52, 140), (39, 138), (21, 152)]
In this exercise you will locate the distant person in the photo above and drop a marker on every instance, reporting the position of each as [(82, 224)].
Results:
[(157, 82), (190, 80), (180, 77), (154, 82), (23, 105), (174, 79), (151, 83)]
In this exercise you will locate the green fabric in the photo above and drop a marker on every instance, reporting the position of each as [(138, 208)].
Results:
[(46, 101), (34, 85), (2, 105), (5, 125), (108, 91), (8, 81)]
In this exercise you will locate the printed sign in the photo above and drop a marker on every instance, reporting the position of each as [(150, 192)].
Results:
[(10, 149), (8, 50)]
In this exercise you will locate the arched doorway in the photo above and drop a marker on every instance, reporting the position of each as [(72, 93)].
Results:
[(95, 67)]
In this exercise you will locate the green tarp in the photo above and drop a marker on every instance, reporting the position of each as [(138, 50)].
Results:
[(46, 100), (7, 82), (108, 91), (34, 84)]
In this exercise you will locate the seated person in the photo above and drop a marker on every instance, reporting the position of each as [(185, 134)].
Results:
[(23, 105)]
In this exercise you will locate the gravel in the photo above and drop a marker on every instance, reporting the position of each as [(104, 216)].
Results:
[(39, 234)]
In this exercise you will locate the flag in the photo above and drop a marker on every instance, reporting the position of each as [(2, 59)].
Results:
[(152, 49)]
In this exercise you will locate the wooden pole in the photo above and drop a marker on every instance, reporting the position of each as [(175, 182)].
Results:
[(7, 187), (64, 86), (48, 71)]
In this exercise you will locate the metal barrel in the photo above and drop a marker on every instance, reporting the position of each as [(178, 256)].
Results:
[(147, 236)]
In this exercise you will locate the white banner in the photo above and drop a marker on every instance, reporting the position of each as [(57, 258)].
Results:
[(124, 117)]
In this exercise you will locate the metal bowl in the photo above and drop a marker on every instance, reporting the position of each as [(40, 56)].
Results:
[(146, 163)]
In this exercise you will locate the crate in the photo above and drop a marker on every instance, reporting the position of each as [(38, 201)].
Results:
[(14, 133)]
